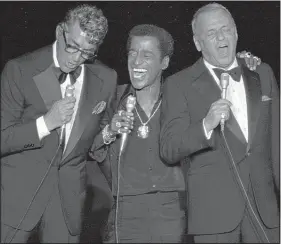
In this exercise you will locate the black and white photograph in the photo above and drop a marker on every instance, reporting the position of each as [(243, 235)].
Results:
[(140, 121)]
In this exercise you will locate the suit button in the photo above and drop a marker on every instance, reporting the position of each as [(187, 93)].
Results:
[(248, 153), (32, 145)]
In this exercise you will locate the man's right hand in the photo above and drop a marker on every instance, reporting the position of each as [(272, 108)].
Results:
[(60, 113), (214, 116)]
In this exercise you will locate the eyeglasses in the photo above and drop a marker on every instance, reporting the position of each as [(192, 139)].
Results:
[(71, 49)]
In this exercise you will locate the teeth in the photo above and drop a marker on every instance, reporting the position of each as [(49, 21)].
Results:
[(140, 70)]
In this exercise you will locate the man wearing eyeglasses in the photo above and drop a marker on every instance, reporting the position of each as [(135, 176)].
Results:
[(45, 134)]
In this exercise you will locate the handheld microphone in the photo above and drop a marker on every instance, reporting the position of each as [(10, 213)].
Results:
[(69, 92), (130, 105), (224, 82)]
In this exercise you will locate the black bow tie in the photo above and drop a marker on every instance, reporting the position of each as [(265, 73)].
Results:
[(62, 75), (235, 73)]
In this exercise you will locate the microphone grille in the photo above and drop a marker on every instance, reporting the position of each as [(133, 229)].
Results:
[(224, 80), (131, 103)]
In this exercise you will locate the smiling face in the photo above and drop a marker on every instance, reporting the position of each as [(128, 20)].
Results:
[(216, 37), (73, 36), (145, 62)]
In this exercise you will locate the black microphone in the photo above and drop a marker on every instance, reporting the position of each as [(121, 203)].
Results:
[(224, 82), (69, 92), (130, 105)]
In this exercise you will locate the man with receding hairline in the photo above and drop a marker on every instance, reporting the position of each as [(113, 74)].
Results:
[(192, 110)]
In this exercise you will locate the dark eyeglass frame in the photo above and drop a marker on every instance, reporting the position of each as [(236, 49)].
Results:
[(85, 55)]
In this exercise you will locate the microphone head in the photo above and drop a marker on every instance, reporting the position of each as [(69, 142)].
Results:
[(69, 91), (131, 103), (224, 82)]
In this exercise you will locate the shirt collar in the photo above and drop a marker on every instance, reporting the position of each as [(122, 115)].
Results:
[(56, 62)]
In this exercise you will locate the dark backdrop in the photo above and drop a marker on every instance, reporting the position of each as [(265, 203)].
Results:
[(27, 26)]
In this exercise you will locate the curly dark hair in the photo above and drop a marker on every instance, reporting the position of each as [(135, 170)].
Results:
[(91, 20), (166, 41)]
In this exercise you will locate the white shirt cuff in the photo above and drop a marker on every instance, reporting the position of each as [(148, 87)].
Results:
[(42, 128), (208, 135)]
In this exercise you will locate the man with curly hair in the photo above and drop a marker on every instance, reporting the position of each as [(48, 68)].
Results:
[(46, 134)]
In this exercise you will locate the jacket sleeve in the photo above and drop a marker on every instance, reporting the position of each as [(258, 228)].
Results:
[(99, 150), (16, 134), (180, 136), (275, 127)]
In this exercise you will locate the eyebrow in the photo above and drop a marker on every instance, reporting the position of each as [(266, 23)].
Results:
[(76, 44)]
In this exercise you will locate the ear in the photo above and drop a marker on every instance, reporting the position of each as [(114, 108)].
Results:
[(165, 62), (197, 43), (236, 34), (59, 31)]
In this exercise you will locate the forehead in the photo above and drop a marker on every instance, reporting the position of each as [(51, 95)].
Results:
[(213, 18), (149, 43), (77, 36)]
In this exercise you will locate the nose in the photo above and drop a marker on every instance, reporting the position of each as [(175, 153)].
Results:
[(76, 56), (138, 59), (220, 35)]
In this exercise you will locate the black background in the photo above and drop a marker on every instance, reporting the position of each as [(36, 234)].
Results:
[(27, 26)]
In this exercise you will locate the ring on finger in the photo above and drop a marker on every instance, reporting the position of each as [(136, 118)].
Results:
[(119, 131), (223, 116), (120, 112), (118, 124), (247, 55)]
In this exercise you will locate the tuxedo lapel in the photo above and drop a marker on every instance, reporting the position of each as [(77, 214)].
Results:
[(205, 84), (253, 96), (91, 90), (48, 84)]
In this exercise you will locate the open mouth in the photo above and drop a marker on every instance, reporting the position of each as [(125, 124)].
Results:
[(223, 49), (139, 73)]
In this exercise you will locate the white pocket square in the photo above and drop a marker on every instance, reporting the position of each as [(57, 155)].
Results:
[(265, 98), (99, 107)]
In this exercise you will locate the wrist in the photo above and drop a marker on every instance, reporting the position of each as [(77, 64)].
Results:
[(47, 123), (107, 135), (111, 132)]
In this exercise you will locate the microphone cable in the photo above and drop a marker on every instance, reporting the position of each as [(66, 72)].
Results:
[(34, 195), (244, 191), (117, 198), (68, 93)]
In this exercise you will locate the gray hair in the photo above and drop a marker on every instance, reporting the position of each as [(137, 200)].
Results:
[(91, 21), (206, 8)]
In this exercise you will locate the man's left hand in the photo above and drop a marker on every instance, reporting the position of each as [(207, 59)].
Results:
[(251, 61)]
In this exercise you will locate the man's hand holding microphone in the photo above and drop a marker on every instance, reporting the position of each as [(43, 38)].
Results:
[(121, 123), (61, 112), (219, 111)]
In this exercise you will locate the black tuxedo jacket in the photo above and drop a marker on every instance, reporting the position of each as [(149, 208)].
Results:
[(215, 204), (29, 87)]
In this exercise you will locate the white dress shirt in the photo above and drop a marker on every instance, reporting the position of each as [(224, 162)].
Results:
[(40, 123), (237, 96)]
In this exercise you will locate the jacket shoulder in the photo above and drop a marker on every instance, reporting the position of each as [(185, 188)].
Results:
[(188, 74), (33, 62), (103, 72)]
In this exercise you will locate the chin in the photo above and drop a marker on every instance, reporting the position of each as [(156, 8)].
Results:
[(225, 62)]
